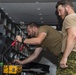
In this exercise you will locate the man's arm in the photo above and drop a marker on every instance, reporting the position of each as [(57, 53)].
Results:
[(34, 41), (71, 40), (31, 57)]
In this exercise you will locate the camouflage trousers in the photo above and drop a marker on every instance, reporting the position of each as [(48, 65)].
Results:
[(71, 70)]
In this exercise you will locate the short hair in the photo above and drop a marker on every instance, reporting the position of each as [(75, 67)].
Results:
[(33, 24), (64, 3)]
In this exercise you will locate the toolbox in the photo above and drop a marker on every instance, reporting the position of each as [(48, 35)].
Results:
[(12, 69)]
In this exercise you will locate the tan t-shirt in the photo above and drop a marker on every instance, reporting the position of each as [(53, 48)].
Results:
[(69, 21), (53, 39)]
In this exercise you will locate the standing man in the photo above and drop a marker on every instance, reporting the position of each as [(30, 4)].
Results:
[(68, 61), (44, 37)]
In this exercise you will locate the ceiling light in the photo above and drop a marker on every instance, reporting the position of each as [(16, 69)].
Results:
[(40, 14), (10, 17), (22, 23), (2, 8), (37, 2), (6, 13), (42, 21), (38, 8), (13, 21), (41, 18)]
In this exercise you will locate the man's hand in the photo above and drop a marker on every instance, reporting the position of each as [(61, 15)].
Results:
[(18, 61), (19, 38), (63, 62)]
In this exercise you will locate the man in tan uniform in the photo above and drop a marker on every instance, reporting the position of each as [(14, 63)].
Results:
[(44, 37), (68, 60)]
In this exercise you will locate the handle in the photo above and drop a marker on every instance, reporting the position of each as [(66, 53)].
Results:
[(22, 46), (13, 43)]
